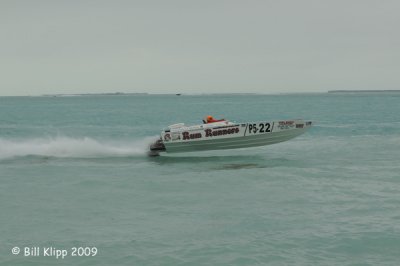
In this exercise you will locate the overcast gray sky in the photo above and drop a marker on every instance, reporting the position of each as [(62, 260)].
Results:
[(198, 46)]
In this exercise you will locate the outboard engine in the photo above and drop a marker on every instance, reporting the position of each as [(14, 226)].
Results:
[(156, 147)]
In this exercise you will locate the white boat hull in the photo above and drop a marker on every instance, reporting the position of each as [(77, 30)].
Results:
[(227, 135)]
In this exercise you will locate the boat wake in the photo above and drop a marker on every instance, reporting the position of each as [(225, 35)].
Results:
[(66, 147)]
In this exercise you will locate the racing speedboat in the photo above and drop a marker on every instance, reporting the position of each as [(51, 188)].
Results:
[(226, 135)]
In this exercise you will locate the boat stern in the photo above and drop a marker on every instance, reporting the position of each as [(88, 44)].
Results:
[(156, 147)]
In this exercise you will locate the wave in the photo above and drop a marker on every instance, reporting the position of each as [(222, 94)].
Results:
[(66, 147)]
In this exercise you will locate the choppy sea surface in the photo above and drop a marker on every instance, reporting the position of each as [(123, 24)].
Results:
[(74, 173)]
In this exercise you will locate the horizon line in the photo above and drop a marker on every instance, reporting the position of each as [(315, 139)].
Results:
[(118, 93)]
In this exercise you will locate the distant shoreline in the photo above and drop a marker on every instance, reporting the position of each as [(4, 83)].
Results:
[(362, 91), (94, 94), (201, 94)]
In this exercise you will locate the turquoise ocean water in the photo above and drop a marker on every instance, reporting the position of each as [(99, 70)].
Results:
[(74, 173)]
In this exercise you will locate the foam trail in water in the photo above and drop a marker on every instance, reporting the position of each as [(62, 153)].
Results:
[(72, 147)]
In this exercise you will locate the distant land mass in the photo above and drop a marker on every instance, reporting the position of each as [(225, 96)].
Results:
[(139, 94), (362, 91), (95, 94)]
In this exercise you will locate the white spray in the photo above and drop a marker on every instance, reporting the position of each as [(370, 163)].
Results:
[(73, 147)]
